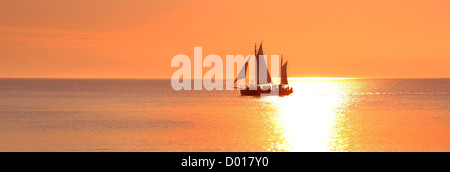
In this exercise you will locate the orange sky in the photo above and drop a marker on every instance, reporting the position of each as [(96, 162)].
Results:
[(138, 38)]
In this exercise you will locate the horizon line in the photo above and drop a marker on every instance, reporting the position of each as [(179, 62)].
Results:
[(295, 78)]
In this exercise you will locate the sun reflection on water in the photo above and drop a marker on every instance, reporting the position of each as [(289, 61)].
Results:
[(309, 119)]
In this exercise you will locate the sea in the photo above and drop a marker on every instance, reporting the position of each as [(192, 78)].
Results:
[(323, 114)]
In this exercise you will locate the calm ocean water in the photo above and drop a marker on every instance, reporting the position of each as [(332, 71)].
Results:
[(147, 115)]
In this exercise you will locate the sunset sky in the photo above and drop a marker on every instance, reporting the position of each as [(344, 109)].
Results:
[(138, 38)]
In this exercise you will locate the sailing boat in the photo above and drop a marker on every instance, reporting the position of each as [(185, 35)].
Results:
[(265, 86)]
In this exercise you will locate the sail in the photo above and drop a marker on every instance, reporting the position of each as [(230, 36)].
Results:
[(260, 59), (241, 74), (284, 79), (243, 71)]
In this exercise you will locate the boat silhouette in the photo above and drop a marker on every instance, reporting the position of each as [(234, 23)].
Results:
[(265, 86)]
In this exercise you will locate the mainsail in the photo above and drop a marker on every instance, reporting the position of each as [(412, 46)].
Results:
[(260, 59), (284, 79)]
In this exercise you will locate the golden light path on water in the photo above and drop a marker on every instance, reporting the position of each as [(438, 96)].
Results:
[(309, 118)]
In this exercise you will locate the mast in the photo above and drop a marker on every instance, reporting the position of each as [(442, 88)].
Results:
[(257, 62)]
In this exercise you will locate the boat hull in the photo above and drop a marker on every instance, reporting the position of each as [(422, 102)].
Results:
[(258, 92)]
